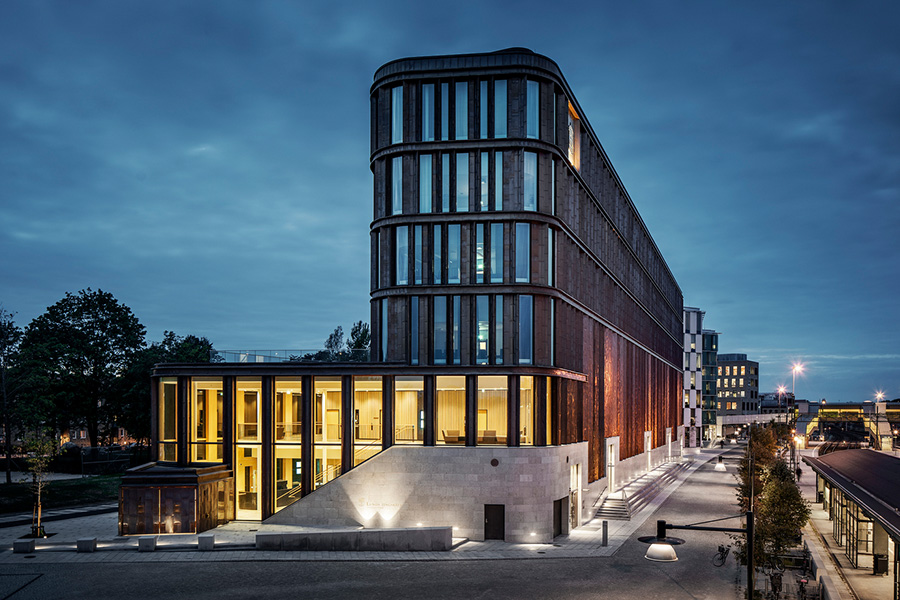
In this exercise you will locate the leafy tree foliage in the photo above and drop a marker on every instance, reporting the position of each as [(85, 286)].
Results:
[(73, 355), (10, 336), (335, 342), (360, 337), (133, 402)]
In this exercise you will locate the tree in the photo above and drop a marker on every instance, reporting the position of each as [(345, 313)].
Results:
[(359, 341), (335, 342), (132, 404), (10, 335), (782, 511), (75, 353), (41, 450)]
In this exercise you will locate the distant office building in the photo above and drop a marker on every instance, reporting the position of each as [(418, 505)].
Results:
[(699, 378), (737, 382), (776, 403)]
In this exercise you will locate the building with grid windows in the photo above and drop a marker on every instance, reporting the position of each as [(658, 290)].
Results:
[(737, 382), (526, 335)]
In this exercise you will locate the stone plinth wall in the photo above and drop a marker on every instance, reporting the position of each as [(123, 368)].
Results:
[(415, 486)]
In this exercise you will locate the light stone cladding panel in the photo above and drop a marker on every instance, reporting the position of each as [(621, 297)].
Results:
[(410, 486)]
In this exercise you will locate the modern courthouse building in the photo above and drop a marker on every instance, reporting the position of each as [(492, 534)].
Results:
[(526, 337), (737, 382)]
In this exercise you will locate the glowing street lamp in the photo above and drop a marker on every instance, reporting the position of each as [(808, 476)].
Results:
[(879, 395), (797, 368)]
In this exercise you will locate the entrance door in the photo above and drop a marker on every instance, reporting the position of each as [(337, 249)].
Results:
[(494, 522), (559, 516)]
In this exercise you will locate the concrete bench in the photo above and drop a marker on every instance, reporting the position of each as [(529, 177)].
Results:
[(147, 543), (206, 542), (86, 544), (23, 546)]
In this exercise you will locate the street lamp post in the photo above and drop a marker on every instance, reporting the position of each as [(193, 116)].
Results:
[(797, 368), (662, 547)]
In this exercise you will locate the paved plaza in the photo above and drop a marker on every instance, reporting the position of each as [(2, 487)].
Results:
[(698, 494)]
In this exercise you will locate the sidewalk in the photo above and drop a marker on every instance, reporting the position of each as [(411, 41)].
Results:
[(236, 541)]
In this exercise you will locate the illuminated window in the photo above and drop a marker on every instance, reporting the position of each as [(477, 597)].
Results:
[(720, 371), (492, 410), (409, 410), (532, 110), (500, 108), (327, 429), (397, 115), (428, 112), (450, 409), (288, 409), (574, 127), (462, 182), (526, 410), (743, 370), (168, 390), (425, 162), (249, 390), (462, 110), (206, 415), (367, 409)]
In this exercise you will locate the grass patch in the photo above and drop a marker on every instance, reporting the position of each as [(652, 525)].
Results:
[(18, 497)]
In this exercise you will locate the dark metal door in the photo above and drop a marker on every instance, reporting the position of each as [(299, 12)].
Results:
[(494, 522), (559, 511)]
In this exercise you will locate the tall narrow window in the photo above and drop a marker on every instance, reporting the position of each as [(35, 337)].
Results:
[(550, 265), (437, 264), (574, 138), (414, 330), (384, 329), (453, 257), (526, 410), (526, 328), (498, 330), (553, 186), (500, 108), (462, 182), (496, 252), (482, 329), (552, 331), (498, 181), (484, 174), (523, 252), (479, 253), (455, 341), (425, 183), (440, 330), (397, 185), (417, 255), (445, 111), (532, 112), (402, 246), (530, 199), (397, 115), (462, 110), (445, 183), (483, 102), (428, 112)]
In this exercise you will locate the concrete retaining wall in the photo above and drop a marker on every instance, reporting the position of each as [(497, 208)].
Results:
[(428, 539), (445, 486)]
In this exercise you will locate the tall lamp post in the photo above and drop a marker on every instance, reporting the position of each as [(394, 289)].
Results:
[(797, 368), (781, 391), (662, 547)]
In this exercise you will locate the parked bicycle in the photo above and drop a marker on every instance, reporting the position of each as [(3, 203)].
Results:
[(720, 556), (801, 588)]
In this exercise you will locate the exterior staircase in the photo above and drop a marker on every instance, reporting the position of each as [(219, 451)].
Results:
[(621, 504)]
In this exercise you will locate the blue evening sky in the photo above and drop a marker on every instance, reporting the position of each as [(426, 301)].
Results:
[(207, 162)]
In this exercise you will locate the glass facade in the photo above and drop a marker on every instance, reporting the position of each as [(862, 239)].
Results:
[(436, 263), (492, 410), (168, 437), (445, 183), (327, 429), (500, 108), (397, 115), (483, 112), (496, 252), (462, 110), (526, 330), (425, 183), (249, 390), (453, 253), (498, 330), (479, 253), (428, 112), (526, 410), (396, 185), (482, 329), (498, 181), (532, 113), (523, 252), (409, 410), (484, 173), (417, 255), (367, 417), (462, 182), (440, 330), (450, 409), (530, 197), (402, 246), (206, 417)]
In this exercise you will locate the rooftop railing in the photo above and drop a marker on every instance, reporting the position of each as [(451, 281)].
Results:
[(286, 356)]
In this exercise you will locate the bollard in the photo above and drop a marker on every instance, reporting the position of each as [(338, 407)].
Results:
[(605, 537)]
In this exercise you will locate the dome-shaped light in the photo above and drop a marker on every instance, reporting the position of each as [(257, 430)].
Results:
[(720, 466), (661, 552)]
